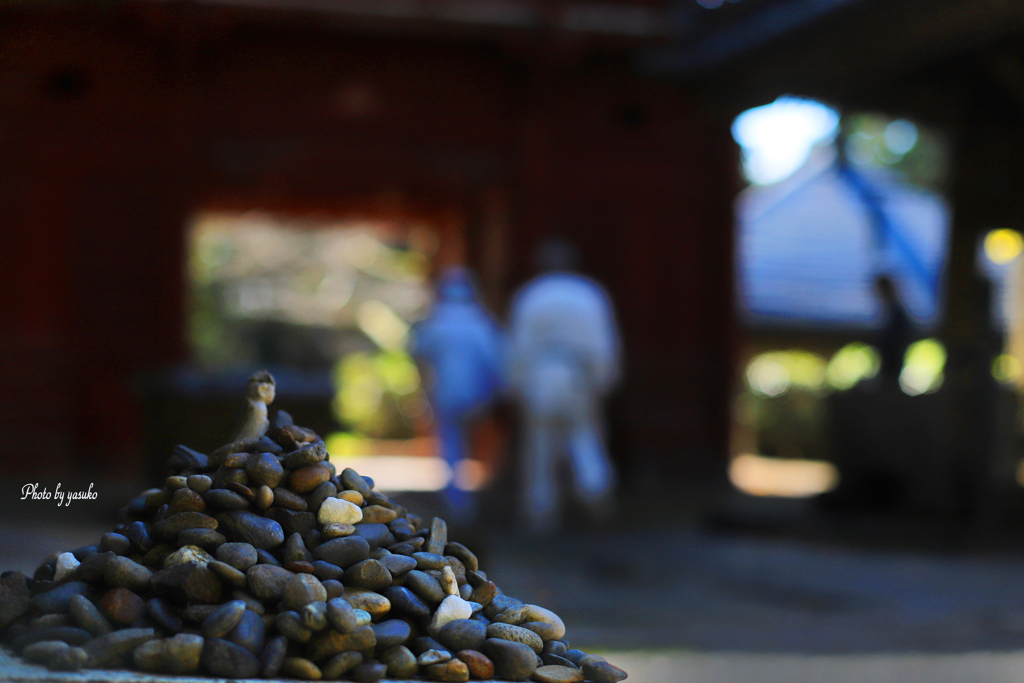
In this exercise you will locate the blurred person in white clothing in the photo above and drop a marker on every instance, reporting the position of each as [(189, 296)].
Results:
[(564, 356)]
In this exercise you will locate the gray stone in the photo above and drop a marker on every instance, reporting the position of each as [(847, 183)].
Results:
[(512, 661), (375, 534), (351, 480), (223, 658), (406, 602), (241, 556), (223, 619), (71, 659), (295, 550), (426, 561), (175, 524), (369, 671), (112, 649), (207, 539), (264, 469), (273, 656), (391, 632), (88, 616), (463, 634), (603, 672), (307, 454), (438, 536), (178, 655), (302, 589), (289, 624), (517, 634), (227, 573), (121, 572), (163, 615), (249, 633), (314, 616), (66, 634), (115, 543), (187, 583), (255, 530), (464, 554), (138, 534), (14, 598), (340, 664), (267, 582), (325, 570), (400, 661), (369, 574), (343, 552), (342, 615), (56, 600), (398, 565), (425, 586)]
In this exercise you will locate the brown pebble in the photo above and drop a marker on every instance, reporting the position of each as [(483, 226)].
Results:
[(352, 497), (288, 500), (337, 530), (186, 500), (300, 667), (479, 665), (452, 670), (378, 514), (305, 479), (553, 673), (122, 607), (300, 567), (264, 497)]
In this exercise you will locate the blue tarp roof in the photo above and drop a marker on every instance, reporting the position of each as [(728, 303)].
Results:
[(810, 247)]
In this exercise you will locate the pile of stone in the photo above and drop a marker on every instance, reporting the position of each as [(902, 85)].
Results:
[(261, 560)]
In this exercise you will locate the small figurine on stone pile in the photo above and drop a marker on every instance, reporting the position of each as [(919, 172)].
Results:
[(261, 560)]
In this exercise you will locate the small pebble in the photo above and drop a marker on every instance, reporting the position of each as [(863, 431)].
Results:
[(300, 667), (479, 665), (302, 589), (223, 619), (67, 563), (339, 511), (121, 606), (200, 483), (273, 656), (400, 661), (178, 655), (340, 664), (290, 625), (353, 497), (71, 659), (314, 615), (369, 671), (341, 615), (512, 661), (226, 659), (602, 672), (186, 554), (452, 670), (451, 608), (88, 616), (557, 674), (433, 657)]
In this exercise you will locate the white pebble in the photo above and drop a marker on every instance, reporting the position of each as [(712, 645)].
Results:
[(188, 553), (433, 657), (66, 563), (448, 581), (535, 613), (339, 511), (451, 608)]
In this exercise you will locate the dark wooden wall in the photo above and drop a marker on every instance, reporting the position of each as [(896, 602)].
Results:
[(117, 125)]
